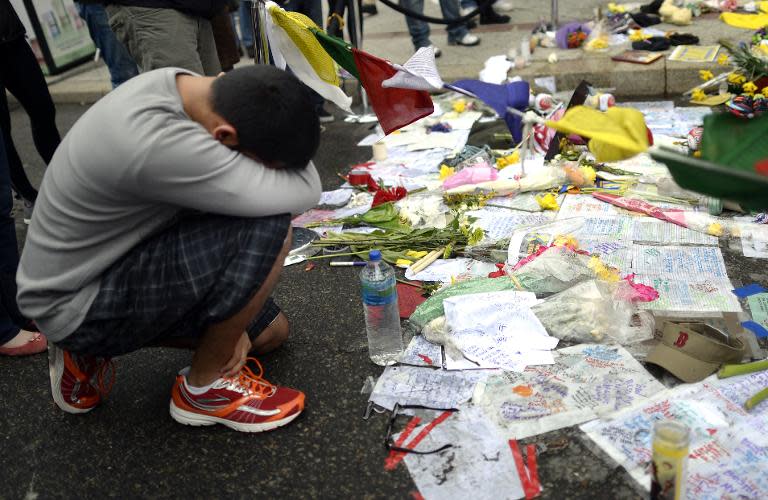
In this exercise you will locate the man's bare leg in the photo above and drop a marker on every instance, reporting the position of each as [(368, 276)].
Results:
[(219, 341)]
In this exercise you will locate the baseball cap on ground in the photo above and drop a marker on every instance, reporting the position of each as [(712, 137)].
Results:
[(693, 351)]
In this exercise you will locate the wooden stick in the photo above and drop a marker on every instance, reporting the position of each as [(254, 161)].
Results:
[(428, 259)]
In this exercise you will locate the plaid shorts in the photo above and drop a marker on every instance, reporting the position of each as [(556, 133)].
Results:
[(199, 271)]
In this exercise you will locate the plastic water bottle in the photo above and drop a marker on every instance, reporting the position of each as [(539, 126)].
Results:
[(382, 316)]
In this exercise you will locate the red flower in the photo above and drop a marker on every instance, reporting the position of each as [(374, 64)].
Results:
[(385, 195)]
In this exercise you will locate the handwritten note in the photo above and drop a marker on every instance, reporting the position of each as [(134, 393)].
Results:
[(434, 388), (648, 230), (500, 225), (679, 262), (586, 381), (692, 294), (479, 465), (729, 447), (758, 307), (576, 205), (421, 352), (449, 269), (498, 330)]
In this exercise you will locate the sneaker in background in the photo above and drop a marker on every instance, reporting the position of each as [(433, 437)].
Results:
[(29, 207), (77, 381), (245, 403), (325, 117)]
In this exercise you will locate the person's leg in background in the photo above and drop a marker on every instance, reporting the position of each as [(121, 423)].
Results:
[(225, 40), (14, 341), (163, 38), (419, 30), (246, 27), (489, 16), (118, 60), (457, 34), (22, 77)]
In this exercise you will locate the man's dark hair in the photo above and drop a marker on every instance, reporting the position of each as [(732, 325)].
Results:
[(272, 112)]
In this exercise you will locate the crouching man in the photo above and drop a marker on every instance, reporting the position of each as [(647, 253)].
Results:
[(164, 219)]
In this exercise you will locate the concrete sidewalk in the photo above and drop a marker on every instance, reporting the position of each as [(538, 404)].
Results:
[(386, 35)]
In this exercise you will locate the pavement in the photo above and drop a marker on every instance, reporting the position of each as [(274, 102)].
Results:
[(129, 447), (386, 36)]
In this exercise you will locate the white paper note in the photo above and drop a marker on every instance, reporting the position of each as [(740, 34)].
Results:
[(585, 381), (433, 388), (479, 465)]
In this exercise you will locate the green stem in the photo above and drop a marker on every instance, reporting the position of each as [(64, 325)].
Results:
[(756, 399), (742, 369)]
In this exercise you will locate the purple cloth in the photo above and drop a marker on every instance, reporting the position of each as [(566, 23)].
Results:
[(500, 97), (561, 37)]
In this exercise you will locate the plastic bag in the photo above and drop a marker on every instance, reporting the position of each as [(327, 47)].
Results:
[(432, 308), (553, 270), (592, 311), (471, 175), (599, 39)]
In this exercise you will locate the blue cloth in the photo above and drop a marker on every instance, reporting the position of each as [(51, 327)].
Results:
[(419, 30), (748, 290), (119, 61), (500, 97), (9, 254)]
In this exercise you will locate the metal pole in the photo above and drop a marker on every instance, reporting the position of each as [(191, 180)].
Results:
[(554, 14), (260, 42), (355, 36)]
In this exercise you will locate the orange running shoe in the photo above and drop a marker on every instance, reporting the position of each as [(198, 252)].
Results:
[(246, 403), (77, 381)]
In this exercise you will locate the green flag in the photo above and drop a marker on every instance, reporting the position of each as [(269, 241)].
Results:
[(728, 182), (735, 142), (339, 50)]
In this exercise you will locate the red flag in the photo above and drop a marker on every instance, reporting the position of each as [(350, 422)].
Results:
[(394, 107)]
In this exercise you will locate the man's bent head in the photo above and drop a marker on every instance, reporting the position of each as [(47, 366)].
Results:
[(272, 112)]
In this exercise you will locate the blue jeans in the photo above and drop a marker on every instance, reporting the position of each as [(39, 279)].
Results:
[(9, 255), (121, 65), (419, 30), (246, 28)]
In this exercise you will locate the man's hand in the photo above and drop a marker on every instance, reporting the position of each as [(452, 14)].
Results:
[(236, 362)]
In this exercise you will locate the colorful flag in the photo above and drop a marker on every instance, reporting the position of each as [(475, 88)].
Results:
[(394, 107), (418, 73), (500, 97), (615, 135), (339, 50), (286, 52)]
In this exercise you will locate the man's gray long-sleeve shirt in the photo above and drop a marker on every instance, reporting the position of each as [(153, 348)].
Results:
[(124, 170)]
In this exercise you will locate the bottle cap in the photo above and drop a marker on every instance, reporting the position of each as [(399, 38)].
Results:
[(374, 255)]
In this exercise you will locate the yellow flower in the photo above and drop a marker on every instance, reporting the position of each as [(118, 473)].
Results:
[(705, 74), (508, 160), (616, 9), (547, 201), (602, 271), (416, 254), (698, 94), (459, 105), (736, 79), (638, 36), (565, 240), (446, 171), (749, 88), (765, 91), (715, 229), (722, 59), (403, 262)]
